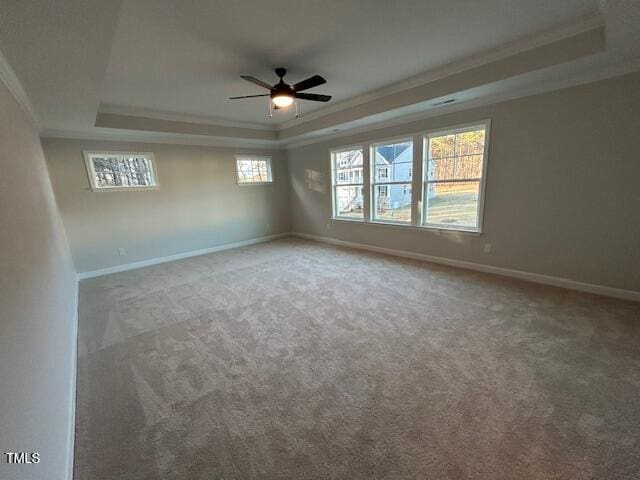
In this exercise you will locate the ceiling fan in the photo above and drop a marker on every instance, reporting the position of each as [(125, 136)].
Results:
[(282, 94)]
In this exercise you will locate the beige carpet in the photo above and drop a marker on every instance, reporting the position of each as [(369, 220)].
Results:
[(296, 360)]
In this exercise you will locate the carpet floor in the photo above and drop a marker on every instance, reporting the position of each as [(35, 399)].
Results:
[(297, 360)]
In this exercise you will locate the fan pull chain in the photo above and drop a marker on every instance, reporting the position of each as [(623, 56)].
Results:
[(270, 108), (297, 114)]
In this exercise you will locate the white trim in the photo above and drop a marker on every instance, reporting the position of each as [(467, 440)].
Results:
[(505, 272), (72, 404), (180, 117), (178, 256), (140, 136), (11, 81), (91, 173)]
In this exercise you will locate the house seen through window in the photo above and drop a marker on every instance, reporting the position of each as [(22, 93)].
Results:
[(392, 172), (348, 184)]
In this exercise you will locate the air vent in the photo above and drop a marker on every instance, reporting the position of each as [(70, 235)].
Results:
[(444, 102)]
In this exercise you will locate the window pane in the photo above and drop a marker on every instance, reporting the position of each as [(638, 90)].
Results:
[(469, 143), (393, 202), (386, 154), (262, 170), (452, 204), (245, 171), (455, 168), (348, 167), (253, 170), (349, 202), (442, 146), (456, 144), (122, 171), (393, 162)]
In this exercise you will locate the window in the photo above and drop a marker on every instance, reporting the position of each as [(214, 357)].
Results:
[(391, 164), (348, 200), (455, 164), (252, 170), (120, 170)]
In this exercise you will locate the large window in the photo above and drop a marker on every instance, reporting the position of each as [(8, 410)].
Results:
[(454, 169), (120, 170), (374, 182), (391, 164), (252, 170), (348, 186)]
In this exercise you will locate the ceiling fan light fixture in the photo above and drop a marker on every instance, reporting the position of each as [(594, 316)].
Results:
[(282, 100)]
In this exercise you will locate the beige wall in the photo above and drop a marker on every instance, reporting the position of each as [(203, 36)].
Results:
[(198, 205), (37, 307), (562, 198)]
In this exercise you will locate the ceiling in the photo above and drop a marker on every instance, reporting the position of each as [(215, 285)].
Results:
[(84, 63)]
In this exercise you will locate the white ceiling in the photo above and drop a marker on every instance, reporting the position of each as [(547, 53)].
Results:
[(186, 57), (180, 60)]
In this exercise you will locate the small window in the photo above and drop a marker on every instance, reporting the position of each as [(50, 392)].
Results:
[(391, 164), (454, 172), (120, 170), (252, 170), (347, 185)]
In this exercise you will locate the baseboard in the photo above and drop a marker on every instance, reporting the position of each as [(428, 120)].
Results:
[(178, 256), (74, 378), (506, 272)]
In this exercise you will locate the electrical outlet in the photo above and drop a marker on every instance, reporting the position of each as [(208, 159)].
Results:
[(487, 248), (122, 252)]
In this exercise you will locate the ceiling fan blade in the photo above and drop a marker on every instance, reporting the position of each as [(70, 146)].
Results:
[(254, 80), (250, 96), (309, 83), (313, 96)]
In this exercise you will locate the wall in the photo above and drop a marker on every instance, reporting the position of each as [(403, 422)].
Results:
[(38, 294), (198, 205), (562, 194)]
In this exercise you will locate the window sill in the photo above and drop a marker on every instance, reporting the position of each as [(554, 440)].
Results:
[(122, 189), (407, 226), (253, 184)]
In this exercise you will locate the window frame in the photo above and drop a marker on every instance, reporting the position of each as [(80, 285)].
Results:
[(467, 127), (375, 185), (91, 173), (334, 184), (253, 157)]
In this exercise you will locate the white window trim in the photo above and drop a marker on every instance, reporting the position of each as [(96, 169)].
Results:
[(374, 184), (334, 184), (467, 127), (91, 174), (267, 158), (419, 141)]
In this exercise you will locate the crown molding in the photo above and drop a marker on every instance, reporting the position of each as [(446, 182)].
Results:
[(582, 25), (120, 135), (10, 79), (180, 117)]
